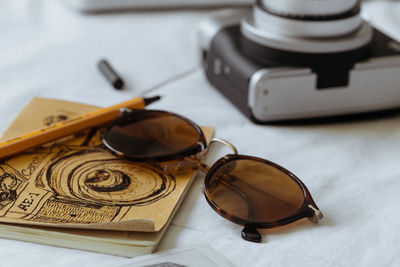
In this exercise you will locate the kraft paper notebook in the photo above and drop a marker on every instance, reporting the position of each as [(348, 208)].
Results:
[(74, 193)]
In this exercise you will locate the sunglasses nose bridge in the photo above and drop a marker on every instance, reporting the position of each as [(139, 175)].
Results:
[(225, 143), (215, 151)]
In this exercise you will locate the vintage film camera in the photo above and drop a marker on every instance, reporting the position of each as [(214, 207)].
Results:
[(297, 59)]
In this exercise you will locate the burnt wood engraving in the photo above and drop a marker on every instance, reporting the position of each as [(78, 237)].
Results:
[(78, 182)]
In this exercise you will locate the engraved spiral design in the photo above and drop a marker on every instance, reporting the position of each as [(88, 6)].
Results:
[(94, 177)]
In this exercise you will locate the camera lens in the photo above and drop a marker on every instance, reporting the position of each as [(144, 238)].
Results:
[(300, 8), (308, 18), (307, 26)]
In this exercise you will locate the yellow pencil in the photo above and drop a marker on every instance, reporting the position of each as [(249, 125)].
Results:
[(61, 129)]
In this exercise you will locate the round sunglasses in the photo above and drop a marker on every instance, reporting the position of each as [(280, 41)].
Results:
[(246, 190)]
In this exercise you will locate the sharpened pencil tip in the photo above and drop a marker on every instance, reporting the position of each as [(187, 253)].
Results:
[(149, 100)]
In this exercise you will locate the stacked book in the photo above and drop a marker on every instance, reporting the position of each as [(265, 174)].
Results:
[(73, 193)]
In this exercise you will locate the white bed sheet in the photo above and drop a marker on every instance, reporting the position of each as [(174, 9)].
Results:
[(352, 169)]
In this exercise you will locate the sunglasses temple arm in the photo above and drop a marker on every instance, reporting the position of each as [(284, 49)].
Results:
[(201, 166), (240, 193), (317, 214), (258, 190), (195, 163), (182, 166), (249, 233)]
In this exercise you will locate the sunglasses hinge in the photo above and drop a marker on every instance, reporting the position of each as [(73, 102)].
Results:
[(317, 214), (126, 111)]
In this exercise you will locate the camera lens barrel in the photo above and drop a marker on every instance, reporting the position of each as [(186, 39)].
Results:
[(315, 8), (307, 26)]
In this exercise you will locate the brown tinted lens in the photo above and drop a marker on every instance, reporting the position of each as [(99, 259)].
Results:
[(254, 191), (153, 134)]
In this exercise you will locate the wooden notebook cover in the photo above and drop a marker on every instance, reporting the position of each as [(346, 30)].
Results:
[(120, 243), (76, 183)]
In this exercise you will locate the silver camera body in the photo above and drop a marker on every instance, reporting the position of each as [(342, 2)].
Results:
[(299, 59)]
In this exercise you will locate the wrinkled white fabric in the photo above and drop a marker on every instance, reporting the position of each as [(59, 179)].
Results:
[(351, 169)]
